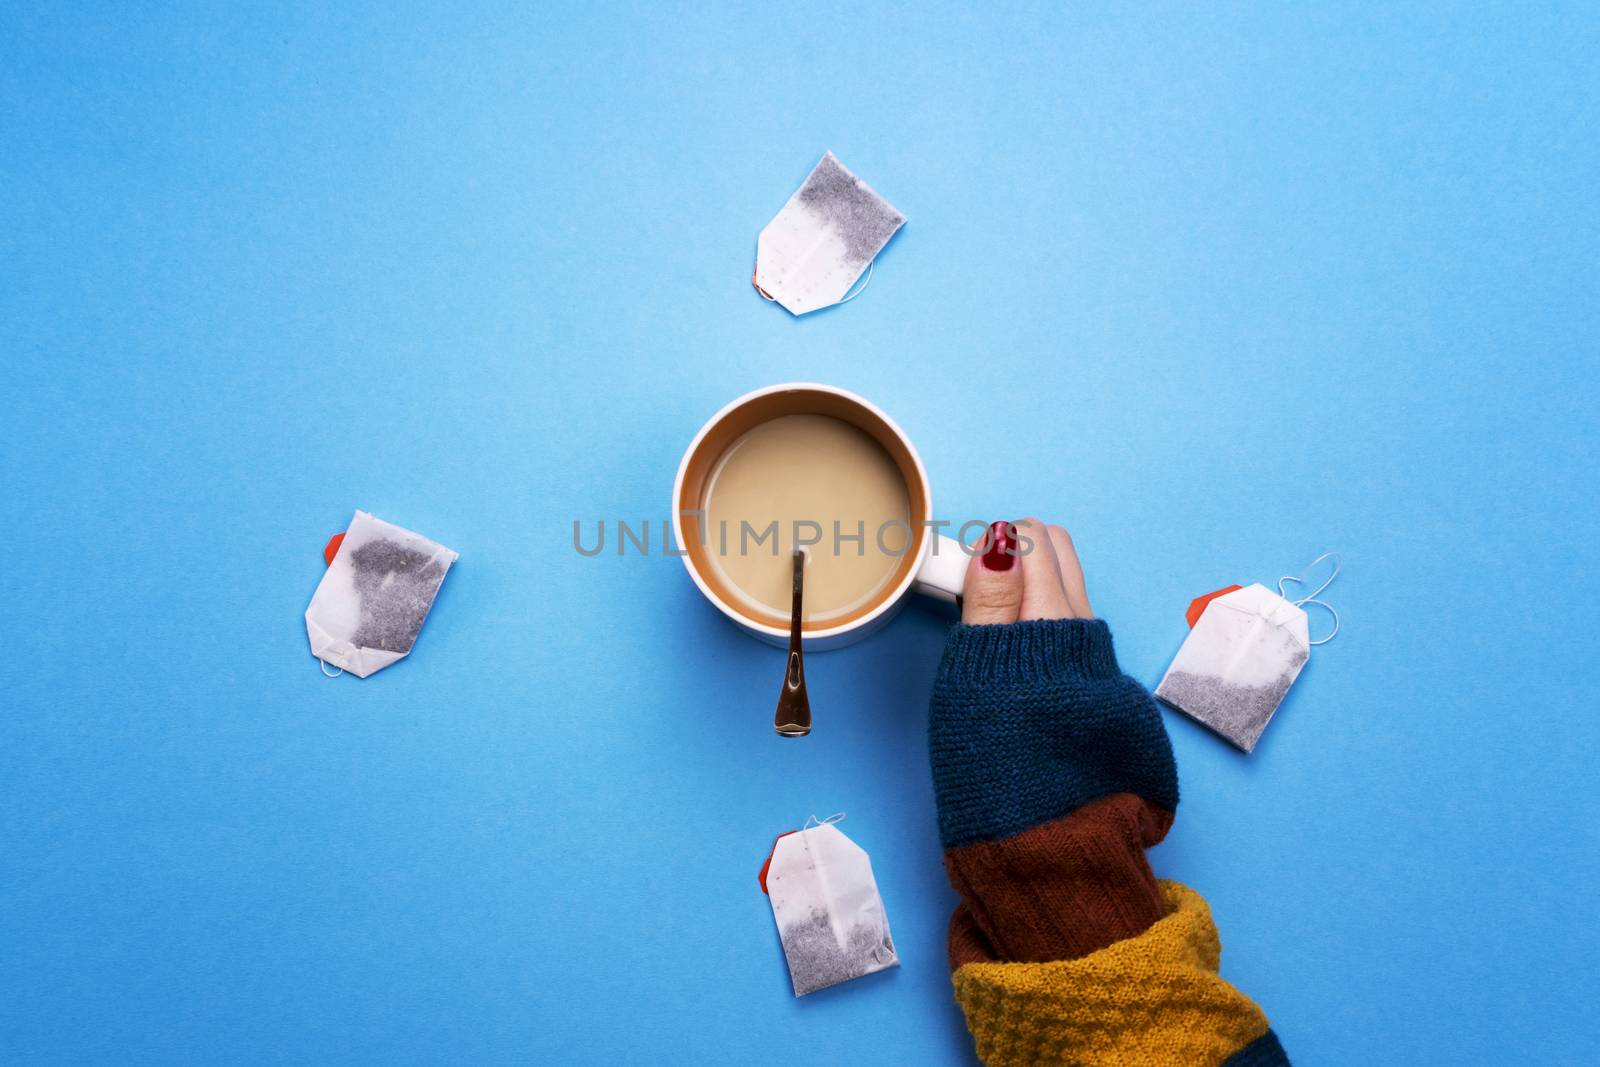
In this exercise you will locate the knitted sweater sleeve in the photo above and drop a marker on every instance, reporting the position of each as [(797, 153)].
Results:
[(1053, 774)]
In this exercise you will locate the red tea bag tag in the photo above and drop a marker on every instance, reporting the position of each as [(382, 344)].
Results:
[(1197, 606), (331, 549), (767, 866)]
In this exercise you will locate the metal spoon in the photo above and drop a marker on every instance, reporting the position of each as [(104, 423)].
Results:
[(793, 718)]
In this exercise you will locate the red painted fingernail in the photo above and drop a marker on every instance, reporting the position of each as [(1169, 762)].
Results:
[(1002, 551)]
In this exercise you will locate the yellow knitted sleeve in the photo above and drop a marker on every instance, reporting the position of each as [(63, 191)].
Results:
[(1154, 999)]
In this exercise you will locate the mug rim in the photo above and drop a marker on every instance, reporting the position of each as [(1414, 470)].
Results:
[(888, 602)]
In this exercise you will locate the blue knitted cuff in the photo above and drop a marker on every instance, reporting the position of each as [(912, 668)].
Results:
[(1067, 649), (1032, 720)]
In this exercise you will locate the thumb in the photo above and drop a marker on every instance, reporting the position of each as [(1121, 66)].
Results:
[(993, 591)]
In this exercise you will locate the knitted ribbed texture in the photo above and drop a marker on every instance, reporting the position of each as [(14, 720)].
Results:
[(1061, 890), (1151, 1000), (1031, 720)]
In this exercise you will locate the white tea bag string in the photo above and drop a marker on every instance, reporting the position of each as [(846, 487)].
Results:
[(1329, 609), (864, 283), (325, 673), (1311, 598), (1338, 562)]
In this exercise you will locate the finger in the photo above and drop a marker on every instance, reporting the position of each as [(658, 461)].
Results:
[(993, 591), (1071, 573), (1042, 594)]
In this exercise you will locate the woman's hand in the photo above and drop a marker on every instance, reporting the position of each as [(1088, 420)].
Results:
[(1026, 570)]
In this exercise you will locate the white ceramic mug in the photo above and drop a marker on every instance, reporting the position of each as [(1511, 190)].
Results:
[(935, 565)]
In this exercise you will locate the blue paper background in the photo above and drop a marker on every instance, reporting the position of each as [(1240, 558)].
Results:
[(1217, 288)]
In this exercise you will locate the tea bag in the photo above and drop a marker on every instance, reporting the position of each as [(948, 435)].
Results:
[(826, 904), (373, 598), (1245, 648), (831, 230)]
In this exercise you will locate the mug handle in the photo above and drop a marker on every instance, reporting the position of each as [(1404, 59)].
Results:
[(943, 571)]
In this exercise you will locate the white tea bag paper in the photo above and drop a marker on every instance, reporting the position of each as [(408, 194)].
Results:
[(825, 901), (374, 596), (1237, 664), (813, 251)]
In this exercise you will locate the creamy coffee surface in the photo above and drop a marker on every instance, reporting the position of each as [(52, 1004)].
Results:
[(773, 483)]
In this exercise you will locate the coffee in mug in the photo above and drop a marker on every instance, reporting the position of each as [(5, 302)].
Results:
[(819, 468), (813, 482)]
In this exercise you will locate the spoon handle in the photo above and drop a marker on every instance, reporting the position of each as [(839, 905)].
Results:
[(793, 718)]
